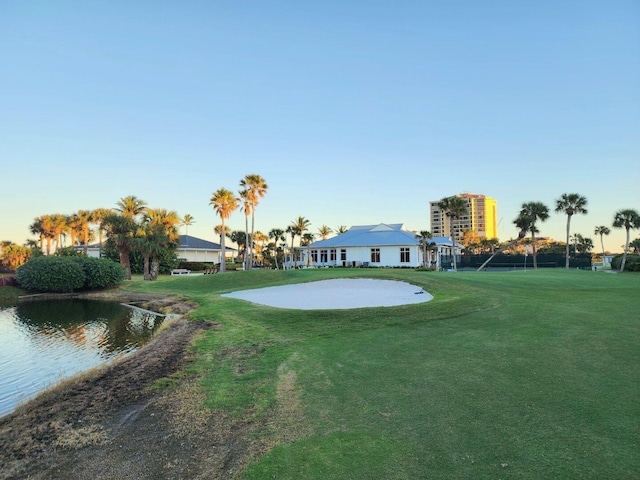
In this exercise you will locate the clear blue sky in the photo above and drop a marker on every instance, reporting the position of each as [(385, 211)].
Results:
[(355, 112)]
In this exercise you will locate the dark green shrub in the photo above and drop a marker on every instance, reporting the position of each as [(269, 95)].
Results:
[(100, 272), (51, 274), (195, 266), (632, 264)]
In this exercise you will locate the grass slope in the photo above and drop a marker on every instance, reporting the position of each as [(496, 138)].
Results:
[(502, 375)]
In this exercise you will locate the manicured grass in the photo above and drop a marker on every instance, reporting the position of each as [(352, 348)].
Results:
[(502, 375)]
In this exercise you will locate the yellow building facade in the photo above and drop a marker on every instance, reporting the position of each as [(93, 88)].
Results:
[(481, 219)]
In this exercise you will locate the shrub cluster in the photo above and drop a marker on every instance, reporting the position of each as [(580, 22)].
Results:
[(66, 274), (195, 266), (632, 264)]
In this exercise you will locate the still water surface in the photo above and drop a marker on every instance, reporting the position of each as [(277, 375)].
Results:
[(43, 342)]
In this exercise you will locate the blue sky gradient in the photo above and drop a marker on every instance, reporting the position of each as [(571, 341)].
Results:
[(355, 112)]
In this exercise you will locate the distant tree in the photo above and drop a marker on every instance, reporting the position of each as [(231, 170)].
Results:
[(15, 255), (131, 206), (73, 227), (324, 232), (602, 230), (298, 227), (240, 238), (534, 211), (186, 222), (570, 204), (163, 228), (277, 234), (97, 217), (341, 229), (425, 236), (224, 202), (584, 245), (36, 228), (455, 207), (635, 245), (121, 230), (256, 188), (523, 222), (83, 222), (627, 219)]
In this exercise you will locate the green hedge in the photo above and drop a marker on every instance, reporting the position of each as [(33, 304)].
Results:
[(632, 264), (68, 274)]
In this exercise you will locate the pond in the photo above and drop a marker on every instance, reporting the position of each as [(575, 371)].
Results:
[(45, 341)]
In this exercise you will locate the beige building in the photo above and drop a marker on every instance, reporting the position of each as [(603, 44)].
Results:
[(481, 219)]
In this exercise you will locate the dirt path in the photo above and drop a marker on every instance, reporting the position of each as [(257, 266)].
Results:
[(109, 424)]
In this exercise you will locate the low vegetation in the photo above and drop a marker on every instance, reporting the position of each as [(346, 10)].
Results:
[(501, 375)]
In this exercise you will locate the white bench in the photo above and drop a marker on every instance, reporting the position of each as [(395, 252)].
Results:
[(180, 271)]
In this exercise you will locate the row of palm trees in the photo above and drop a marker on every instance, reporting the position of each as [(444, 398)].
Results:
[(533, 212)]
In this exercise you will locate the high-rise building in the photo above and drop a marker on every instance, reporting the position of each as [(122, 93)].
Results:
[(481, 218)]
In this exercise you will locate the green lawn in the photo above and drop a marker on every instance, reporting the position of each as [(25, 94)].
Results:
[(502, 375)]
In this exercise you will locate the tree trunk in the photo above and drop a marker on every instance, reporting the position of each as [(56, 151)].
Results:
[(155, 268), (453, 248), (124, 261), (533, 249), (223, 266), (145, 268), (521, 235), (567, 251), (624, 255), (245, 260)]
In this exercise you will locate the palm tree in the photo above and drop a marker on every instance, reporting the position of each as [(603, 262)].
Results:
[(523, 222), (186, 222), (324, 232), (47, 225), (602, 230), (305, 241), (239, 237), (246, 207), (424, 237), (121, 230), (635, 245), (36, 228), (534, 211), (131, 206), (454, 207), (59, 224), (627, 219), (297, 227), (224, 202), (256, 188), (276, 234), (161, 231), (341, 229), (84, 218), (97, 216), (571, 203)]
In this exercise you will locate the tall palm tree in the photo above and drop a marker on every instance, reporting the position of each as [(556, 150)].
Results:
[(627, 219), (47, 225), (571, 203), (324, 232), (97, 216), (276, 234), (602, 230), (60, 227), (224, 202), (455, 208), (84, 219), (131, 206), (73, 227), (121, 230), (246, 208), (257, 187), (305, 241), (534, 211), (424, 238), (523, 222), (36, 228), (297, 227), (186, 222)]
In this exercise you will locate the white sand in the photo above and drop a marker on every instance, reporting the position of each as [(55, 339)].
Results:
[(336, 294)]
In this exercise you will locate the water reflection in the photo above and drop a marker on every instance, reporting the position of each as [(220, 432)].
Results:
[(42, 342)]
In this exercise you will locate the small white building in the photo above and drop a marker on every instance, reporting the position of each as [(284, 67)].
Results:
[(382, 245), (193, 249)]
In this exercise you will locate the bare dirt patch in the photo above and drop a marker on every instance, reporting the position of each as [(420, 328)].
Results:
[(113, 423)]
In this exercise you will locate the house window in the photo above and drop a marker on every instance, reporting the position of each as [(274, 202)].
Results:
[(314, 256), (343, 254), (323, 256), (375, 255), (332, 254), (404, 255)]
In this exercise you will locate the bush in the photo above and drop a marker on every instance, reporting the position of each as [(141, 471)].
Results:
[(195, 266), (51, 274), (67, 274), (100, 272), (632, 264)]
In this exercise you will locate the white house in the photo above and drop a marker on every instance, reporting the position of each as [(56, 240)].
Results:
[(193, 249), (383, 245)]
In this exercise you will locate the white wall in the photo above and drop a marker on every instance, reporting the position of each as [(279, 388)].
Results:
[(194, 255)]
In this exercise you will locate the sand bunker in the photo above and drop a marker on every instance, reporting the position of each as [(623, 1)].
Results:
[(336, 294)]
